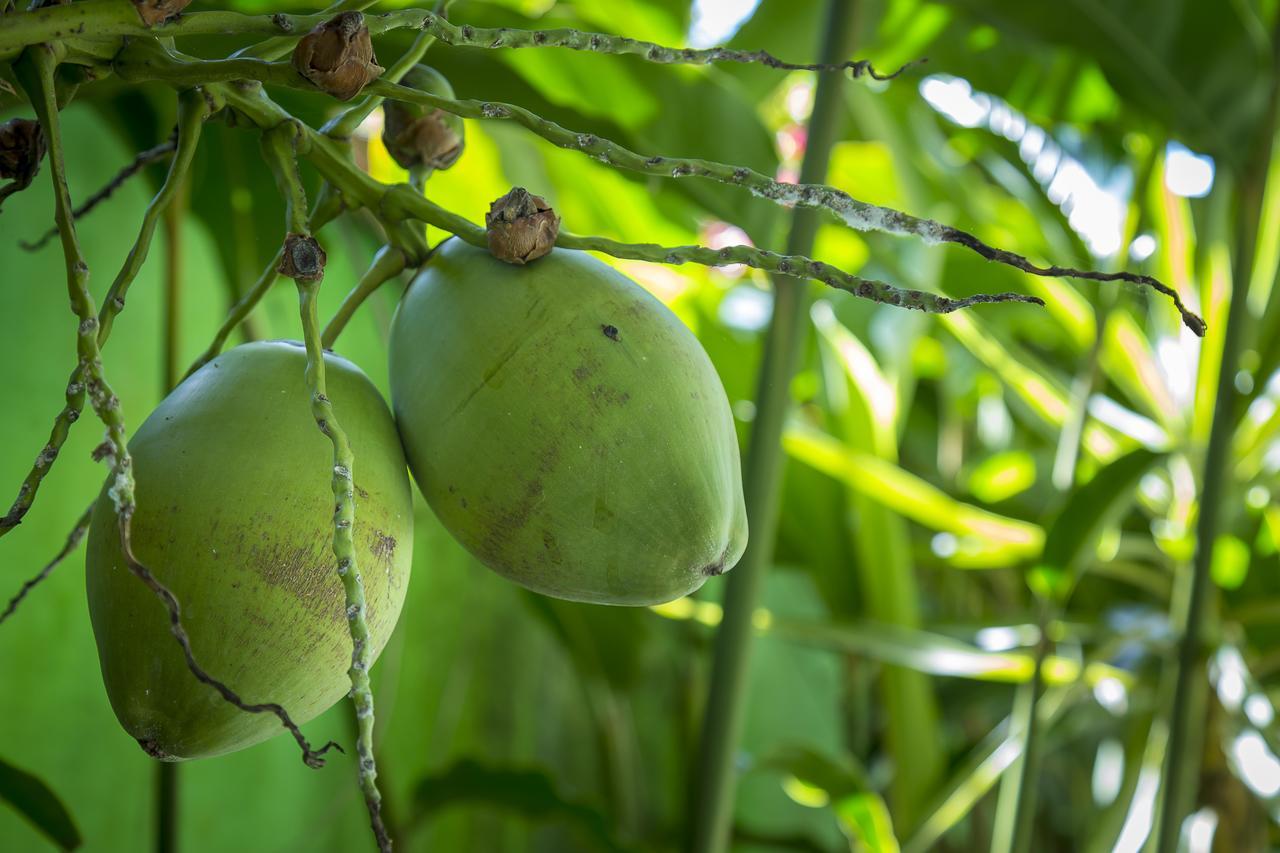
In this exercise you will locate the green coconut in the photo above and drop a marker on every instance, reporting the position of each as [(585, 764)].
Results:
[(566, 427), (235, 515)]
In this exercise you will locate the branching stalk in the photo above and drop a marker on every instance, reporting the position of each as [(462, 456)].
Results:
[(859, 215), (388, 263), (795, 266), (73, 540), (279, 146), (142, 160), (191, 114), (328, 205), (36, 73)]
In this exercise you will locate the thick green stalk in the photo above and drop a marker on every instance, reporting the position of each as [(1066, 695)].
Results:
[(1182, 758), (715, 780), (278, 145), (167, 773), (166, 807), (387, 264)]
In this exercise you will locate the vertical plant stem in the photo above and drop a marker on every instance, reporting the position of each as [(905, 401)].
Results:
[(1182, 758), (1016, 807), (278, 146), (167, 772), (173, 286), (166, 807), (715, 774)]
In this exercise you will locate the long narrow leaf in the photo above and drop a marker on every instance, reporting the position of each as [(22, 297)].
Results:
[(37, 802)]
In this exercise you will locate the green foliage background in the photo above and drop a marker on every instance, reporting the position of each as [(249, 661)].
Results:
[(513, 722)]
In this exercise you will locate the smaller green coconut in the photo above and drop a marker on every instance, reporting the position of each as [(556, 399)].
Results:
[(421, 138), (566, 427), (235, 516)]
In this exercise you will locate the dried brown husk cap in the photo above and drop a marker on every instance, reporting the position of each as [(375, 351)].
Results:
[(302, 258), (22, 147), (337, 56), (428, 141), (420, 137), (521, 227), (153, 12)]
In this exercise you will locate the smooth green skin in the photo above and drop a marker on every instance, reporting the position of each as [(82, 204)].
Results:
[(235, 516), (577, 465)]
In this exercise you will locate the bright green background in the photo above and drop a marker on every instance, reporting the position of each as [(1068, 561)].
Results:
[(576, 725)]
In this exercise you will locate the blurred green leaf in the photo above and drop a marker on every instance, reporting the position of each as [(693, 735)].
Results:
[(35, 801), (1073, 536), (529, 793), (1002, 475), (1230, 562), (998, 540), (865, 819)]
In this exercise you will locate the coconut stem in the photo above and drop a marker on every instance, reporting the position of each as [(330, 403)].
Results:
[(279, 146)]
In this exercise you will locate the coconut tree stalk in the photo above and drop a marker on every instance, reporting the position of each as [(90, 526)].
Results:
[(166, 807), (715, 777), (303, 260), (1184, 753), (166, 780)]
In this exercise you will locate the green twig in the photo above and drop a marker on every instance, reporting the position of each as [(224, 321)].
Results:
[(107, 18), (73, 540), (715, 778), (191, 112), (388, 263), (465, 35), (792, 265), (36, 73), (145, 62), (143, 158), (279, 147)]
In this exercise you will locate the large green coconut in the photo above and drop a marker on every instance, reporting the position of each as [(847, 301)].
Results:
[(235, 516), (566, 427)]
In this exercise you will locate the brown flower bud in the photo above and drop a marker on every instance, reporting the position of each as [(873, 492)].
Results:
[(302, 259), (419, 137), (337, 56), (521, 227), (22, 147), (153, 12)]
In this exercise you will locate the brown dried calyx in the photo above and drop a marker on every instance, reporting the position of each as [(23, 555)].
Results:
[(22, 147), (419, 137), (302, 258), (521, 227), (153, 12), (337, 56)]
